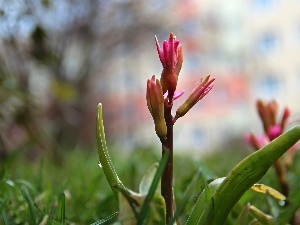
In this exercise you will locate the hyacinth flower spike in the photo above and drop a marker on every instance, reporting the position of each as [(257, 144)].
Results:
[(272, 129), (171, 58)]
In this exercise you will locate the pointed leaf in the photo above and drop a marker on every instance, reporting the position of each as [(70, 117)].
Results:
[(187, 195), (62, 209), (106, 219), (147, 180), (261, 216), (156, 179), (130, 204), (30, 206), (248, 172), (203, 208), (105, 161), (243, 216)]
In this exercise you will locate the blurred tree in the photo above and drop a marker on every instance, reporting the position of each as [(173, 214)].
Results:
[(50, 52)]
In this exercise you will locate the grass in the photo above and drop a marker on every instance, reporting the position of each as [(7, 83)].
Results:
[(74, 191)]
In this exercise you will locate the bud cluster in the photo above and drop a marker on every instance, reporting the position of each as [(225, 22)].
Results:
[(268, 113), (161, 94)]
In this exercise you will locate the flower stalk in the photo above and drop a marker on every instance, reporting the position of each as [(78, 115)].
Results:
[(167, 177), (160, 96)]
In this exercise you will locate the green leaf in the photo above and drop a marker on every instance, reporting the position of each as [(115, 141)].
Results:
[(248, 172), (243, 216), (106, 163), (62, 209), (5, 218), (130, 204), (138, 208), (147, 180), (158, 200), (203, 209), (187, 195), (273, 206), (106, 219), (30, 206), (261, 216)]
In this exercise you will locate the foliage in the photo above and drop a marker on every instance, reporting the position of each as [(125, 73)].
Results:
[(218, 199), (89, 197)]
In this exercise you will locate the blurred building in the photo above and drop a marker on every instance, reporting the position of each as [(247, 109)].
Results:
[(252, 49)]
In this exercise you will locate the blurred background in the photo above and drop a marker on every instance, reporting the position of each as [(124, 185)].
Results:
[(59, 59)]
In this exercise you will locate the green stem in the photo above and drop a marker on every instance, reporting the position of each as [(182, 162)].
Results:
[(167, 177)]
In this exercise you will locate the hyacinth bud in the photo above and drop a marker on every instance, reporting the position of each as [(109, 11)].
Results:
[(285, 116), (267, 113), (200, 90), (171, 58), (274, 131), (256, 142), (155, 103)]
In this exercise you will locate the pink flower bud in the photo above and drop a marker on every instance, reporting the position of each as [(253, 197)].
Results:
[(177, 94), (155, 103), (274, 131), (200, 90), (285, 116), (256, 142), (267, 113), (171, 58)]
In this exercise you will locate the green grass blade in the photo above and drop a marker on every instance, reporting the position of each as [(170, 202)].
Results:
[(106, 219), (248, 172), (147, 179), (146, 205), (202, 211), (62, 209), (261, 216), (30, 206), (187, 195), (5, 218), (106, 163), (241, 220)]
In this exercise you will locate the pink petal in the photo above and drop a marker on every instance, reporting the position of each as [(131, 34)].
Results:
[(177, 94), (274, 132)]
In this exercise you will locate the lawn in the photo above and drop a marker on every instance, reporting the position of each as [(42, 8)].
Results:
[(74, 190)]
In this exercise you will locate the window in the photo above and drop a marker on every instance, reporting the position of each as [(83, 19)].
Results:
[(268, 43), (269, 87), (263, 5)]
